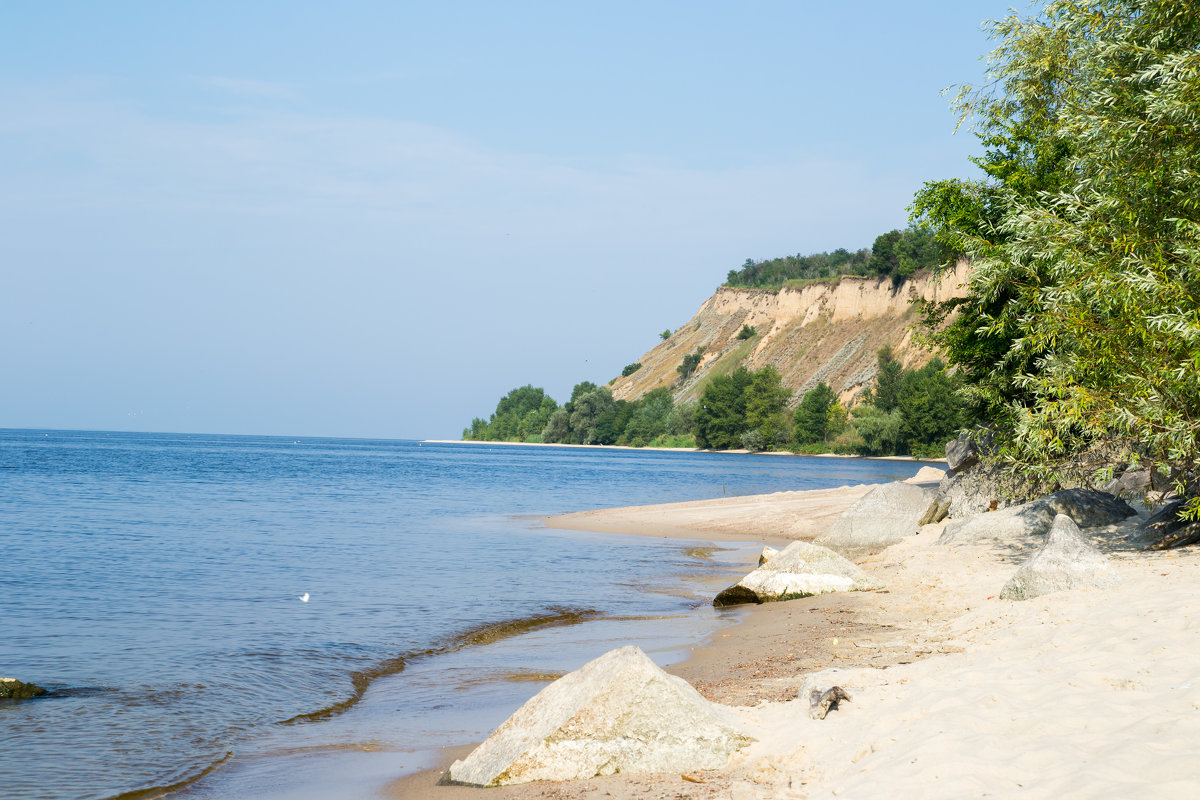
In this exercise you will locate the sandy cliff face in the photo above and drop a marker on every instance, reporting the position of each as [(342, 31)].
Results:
[(821, 332)]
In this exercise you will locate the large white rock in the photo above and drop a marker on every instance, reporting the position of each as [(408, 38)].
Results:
[(1067, 560), (618, 713), (801, 569), (878, 519)]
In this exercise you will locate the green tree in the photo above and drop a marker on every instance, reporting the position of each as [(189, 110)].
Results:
[(879, 430), (630, 369), (690, 362), (587, 413), (666, 334), (558, 429), (766, 408), (721, 413), (888, 376), (931, 412), (1104, 270), (810, 423)]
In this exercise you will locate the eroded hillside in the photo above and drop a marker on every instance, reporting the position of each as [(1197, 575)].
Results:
[(820, 332)]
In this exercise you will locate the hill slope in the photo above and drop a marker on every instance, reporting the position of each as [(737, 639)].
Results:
[(827, 331)]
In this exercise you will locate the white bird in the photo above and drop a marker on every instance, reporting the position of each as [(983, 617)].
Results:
[(304, 597)]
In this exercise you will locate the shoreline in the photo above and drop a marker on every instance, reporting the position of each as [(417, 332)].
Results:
[(683, 450), (954, 692)]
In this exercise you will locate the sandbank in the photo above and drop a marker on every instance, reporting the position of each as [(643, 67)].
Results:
[(954, 692)]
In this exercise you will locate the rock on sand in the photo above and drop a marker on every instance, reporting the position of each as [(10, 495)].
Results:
[(799, 570), (618, 713), (883, 517), (1066, 561), (1020, 524)]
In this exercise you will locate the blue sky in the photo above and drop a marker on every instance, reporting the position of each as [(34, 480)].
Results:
[(375, 218)]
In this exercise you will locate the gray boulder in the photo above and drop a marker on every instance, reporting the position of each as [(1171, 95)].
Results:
[(799, 570), (1030, 521), (1065, 561), (618, 713), (878, 519)]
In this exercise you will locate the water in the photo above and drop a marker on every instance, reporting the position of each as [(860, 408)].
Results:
[(153, 581)]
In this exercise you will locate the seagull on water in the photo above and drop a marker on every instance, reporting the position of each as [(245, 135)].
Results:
[(304, 597)]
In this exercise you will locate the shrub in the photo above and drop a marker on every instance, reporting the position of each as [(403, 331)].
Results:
[(630, 369)]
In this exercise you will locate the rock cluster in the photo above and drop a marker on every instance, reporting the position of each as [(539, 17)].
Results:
[(1029, 521)]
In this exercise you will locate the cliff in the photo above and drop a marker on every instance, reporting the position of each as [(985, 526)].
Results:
[(826, 331)]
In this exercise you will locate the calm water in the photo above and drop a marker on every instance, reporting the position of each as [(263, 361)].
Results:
[(153, 582)]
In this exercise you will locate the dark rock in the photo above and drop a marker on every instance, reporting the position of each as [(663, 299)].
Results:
[(1067, 560), (1088, 507), (965, 451), (1165, 530), (13, 689)]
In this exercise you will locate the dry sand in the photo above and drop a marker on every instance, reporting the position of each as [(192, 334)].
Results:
[(954, 693)]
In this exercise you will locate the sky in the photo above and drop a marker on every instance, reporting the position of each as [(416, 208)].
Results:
[(373, 219)]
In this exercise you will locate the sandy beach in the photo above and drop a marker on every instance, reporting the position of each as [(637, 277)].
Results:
[(954, 692)]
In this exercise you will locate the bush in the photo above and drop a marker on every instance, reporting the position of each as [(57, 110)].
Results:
[(665, 334), (746, 332), (630, 369)]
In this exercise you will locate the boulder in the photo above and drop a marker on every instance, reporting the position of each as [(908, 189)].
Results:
[(618, 713), (878, 519), (1029, 521), (976, 489), (964, 452), (13, 689), (1165, 530), (1065, 561), (1088, 507), (799, 570)]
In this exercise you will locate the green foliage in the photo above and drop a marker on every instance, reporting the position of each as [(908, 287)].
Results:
[(690, 362), (901, 254), (888, 376), (721, 413), (766, 409), (666, 334), (774, 273), (931, 413), (810, 422), (630, 369), (521, 413), (746, 332), (878, 430), (1085, 243)]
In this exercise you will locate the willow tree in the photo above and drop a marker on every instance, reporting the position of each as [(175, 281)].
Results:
[(1101, 273)]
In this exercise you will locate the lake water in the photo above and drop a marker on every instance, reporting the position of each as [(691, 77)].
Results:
[(153, 582)]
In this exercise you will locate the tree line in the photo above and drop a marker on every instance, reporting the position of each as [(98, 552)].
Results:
[(904, 412), (591, 416), (897, 254)]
